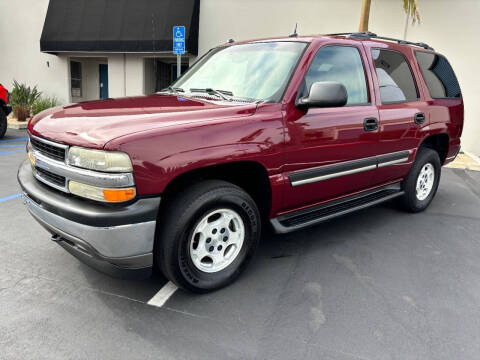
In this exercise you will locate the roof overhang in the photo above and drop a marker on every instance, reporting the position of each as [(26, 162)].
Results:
[(121, 26)]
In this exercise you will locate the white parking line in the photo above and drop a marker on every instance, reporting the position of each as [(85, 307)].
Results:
[(10, 197), (161, 297)]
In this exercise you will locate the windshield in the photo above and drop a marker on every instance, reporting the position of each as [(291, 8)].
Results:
[(258, 71)]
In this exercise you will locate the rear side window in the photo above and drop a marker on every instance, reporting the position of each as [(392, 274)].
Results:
[(438, 74), (342, 64), (395, 77)]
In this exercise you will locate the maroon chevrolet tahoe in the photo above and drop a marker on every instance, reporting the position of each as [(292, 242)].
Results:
[(284, 132)]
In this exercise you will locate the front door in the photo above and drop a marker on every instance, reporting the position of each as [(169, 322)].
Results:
[(331, 152), (103, 80)]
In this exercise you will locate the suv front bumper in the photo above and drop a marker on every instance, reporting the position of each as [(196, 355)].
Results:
[(117, 240)]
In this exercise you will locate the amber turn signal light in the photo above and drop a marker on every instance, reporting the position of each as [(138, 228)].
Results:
[(118, 195)]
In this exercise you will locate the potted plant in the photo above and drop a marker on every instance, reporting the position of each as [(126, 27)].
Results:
[(22, 99)]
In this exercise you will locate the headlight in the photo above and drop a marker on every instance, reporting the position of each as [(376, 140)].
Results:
[(101, 194), (106, 161)]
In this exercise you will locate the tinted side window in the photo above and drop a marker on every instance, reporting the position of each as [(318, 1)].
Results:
[(394, 77), (342, 64), (439, 76)]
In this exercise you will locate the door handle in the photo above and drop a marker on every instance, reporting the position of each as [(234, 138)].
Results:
[(370, 124), (419, 118)]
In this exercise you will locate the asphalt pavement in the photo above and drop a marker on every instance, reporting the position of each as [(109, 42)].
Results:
[(378, 284)]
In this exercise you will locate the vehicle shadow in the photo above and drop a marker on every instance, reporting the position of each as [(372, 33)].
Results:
[(179, 327)]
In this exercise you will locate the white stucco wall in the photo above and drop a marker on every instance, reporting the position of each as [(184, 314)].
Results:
[(450, 27), (134, 73), (116, 79), (90, 76), (20, 57)]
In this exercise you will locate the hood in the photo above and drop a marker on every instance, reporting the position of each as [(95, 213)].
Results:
[(94, 123)]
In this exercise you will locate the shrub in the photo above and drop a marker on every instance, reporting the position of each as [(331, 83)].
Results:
[(22, 98), (43, 103)]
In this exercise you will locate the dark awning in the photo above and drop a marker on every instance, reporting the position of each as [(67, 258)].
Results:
[(118, 25)]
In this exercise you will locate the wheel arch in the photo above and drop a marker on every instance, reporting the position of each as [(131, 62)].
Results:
[(438, 142), (251, 176)]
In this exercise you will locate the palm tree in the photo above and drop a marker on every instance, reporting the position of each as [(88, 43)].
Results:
[(410, 7)]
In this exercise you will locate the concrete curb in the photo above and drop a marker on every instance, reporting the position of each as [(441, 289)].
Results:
[(465, 161), (13, 123)]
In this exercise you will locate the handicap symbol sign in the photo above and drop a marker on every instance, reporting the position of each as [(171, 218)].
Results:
[(179, 40)]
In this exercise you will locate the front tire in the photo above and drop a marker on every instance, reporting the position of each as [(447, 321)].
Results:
[(3, 123), (422, 181), (207, 235)]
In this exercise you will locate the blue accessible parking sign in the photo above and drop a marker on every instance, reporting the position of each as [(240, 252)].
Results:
[(179, 40)]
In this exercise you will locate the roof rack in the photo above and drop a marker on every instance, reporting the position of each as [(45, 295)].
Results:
[(370, 35)]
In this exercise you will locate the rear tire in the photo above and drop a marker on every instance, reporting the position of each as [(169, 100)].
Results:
[(422, 181), (3, 123), (207, 234)]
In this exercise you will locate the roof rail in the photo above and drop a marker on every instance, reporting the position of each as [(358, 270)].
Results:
[(370, 35)]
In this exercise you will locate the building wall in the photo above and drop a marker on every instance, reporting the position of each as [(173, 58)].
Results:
[(90, 76), (20, 29), (116, 79), (448, 26)]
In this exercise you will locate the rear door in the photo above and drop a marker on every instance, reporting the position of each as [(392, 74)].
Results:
[(443, 93), (330, 152), (402, 109)]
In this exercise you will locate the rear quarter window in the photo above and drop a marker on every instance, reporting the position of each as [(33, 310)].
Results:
[(438, 75), (394, 75)]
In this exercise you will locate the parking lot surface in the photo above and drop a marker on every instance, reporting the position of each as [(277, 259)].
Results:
[(378, 284)]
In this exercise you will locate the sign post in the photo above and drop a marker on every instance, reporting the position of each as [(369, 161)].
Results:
[(179, 46)]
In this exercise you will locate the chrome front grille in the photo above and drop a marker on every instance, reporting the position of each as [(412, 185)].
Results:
[(51, 177), (49, 149)]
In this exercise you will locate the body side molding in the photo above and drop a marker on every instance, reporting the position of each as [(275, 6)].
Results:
[(326, 172)]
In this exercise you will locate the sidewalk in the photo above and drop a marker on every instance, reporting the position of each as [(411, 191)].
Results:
[(13, 123), (465, 161)]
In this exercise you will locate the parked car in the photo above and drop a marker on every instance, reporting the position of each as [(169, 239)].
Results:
[(5, 109), (287, 132)]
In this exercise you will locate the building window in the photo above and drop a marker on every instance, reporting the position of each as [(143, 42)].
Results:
[(76, 78), (395, 77)]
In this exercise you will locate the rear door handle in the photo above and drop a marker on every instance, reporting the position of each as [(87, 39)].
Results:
[(370, 124), (419, 118)]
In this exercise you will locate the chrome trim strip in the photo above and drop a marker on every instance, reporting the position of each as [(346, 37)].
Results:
[(379, 164), (90, 177), (48, 142), (111, 241), (334, 175), (393, 162)]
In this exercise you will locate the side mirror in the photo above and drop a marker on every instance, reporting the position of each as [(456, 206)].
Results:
[(324, 94)]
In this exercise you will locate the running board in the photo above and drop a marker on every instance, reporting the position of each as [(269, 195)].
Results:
[(316, 214)]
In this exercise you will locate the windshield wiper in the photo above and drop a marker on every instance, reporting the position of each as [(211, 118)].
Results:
[(220, 93), (172, 89)]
